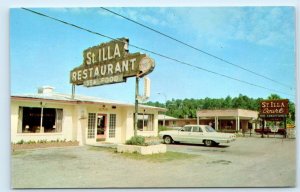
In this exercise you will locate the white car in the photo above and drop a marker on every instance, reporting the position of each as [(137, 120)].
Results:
[(197, 134)]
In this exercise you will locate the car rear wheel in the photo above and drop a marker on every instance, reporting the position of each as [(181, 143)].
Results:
[(208, 143), (168, 140)]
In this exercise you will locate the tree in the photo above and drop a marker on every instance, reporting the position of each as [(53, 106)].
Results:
[(227, 103), (187, 107), (291, 116), (274, 97)]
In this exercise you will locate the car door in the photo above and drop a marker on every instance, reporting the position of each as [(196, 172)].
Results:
[(184, 134), (196, 134)]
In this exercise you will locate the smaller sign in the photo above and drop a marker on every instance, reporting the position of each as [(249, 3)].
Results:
[(147, 84), (146, 66), (145, 97), (290, 126), (104, 80), (275, 117), (274, 108)]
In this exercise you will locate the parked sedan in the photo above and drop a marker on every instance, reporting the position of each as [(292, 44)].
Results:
[(196, 134)]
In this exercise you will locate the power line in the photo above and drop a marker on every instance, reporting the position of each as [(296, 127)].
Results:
[(158, 54), (197, 49)]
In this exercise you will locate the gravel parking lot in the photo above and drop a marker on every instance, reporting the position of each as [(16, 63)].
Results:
[(247, 162)]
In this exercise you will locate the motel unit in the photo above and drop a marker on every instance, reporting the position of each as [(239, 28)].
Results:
[(223, 120)]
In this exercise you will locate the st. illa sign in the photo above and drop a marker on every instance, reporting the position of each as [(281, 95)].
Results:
[(110, 63), (274, 108)]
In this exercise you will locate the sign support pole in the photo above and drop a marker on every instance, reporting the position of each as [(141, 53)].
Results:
[(136, 105), (285, 131), (73, 91), (263, 129)]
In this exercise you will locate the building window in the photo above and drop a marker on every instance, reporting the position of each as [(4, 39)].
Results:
[(39, 120), (91, 125), (145, 122), (112, 126)]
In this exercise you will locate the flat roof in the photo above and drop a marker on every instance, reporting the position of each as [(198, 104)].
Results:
[(227, 113), (166, 117), (78, 99)]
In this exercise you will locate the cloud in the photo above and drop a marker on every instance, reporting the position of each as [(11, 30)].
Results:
[(267, 26), (70, 10), (147, 16)]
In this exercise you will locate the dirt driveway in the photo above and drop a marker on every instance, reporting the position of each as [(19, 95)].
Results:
[(248, 162)]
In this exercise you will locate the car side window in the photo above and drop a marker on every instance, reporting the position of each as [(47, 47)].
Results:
[(187, 129), (197, 129)]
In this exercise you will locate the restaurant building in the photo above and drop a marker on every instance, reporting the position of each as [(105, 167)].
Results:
[(48, 115)]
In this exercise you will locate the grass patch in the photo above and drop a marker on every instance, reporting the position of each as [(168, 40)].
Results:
[(164, 128), (108, 149), (160, 157), (155, 158)]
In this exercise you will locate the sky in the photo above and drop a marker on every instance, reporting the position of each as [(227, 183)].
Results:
[(261, 39)]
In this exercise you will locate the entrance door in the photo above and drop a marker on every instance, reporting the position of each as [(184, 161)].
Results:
[(101, 126)]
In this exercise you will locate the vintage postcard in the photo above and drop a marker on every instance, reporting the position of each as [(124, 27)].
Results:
[(153, 97)]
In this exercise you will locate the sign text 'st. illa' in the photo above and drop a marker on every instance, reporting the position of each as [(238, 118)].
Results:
[(110, 63)]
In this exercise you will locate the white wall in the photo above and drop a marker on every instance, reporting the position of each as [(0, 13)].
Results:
[(67, 123), (75, 122)]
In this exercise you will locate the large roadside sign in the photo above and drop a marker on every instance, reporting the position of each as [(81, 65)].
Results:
[(275, 109), (110, 63)]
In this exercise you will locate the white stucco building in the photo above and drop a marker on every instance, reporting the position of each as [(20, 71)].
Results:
[(48, 115)]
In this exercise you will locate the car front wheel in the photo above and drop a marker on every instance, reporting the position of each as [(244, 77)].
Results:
[(168, 140), (208, 143)]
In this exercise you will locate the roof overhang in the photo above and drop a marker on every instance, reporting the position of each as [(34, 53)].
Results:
[(80, 102)]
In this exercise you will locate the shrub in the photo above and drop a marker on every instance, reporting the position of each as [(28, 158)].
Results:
[(20, 142), (43, 141), (136, 140), (30, 142), (163, 128), (152, 140)]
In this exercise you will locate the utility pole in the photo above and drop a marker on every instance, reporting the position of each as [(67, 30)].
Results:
[(136, 105), (164, 120)]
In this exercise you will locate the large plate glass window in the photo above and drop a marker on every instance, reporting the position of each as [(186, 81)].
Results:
[(145, 122), (39, 120)]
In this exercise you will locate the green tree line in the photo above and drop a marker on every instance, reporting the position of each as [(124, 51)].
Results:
[(186, 108)]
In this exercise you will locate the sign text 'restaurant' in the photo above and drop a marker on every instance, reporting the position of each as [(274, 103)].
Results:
[(107, 63)]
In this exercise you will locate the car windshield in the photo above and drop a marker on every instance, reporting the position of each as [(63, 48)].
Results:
[(209, 129)]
